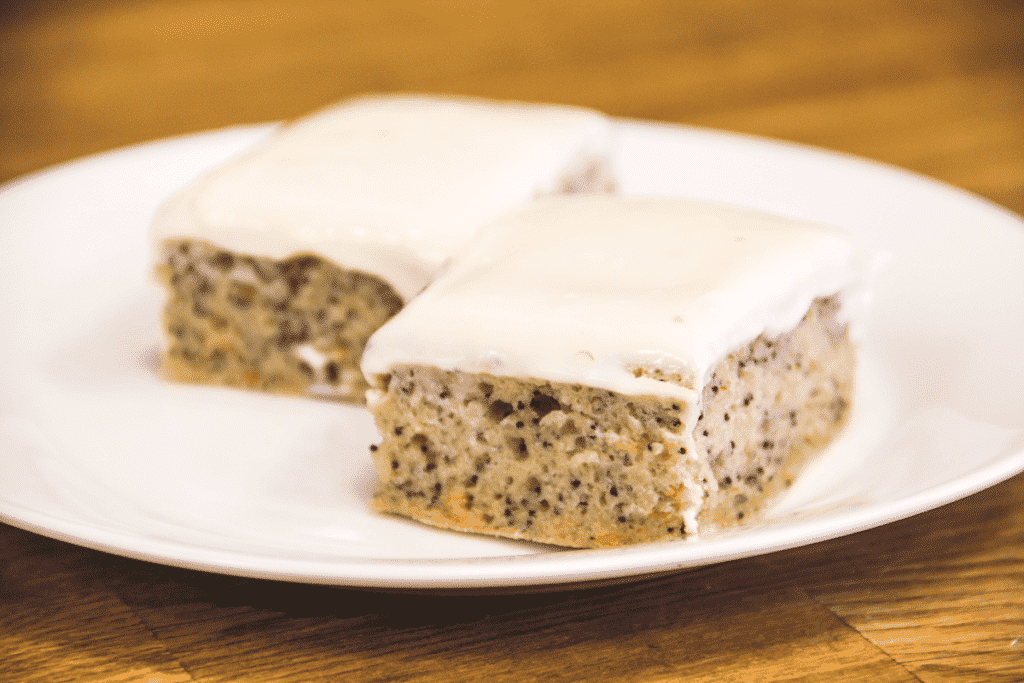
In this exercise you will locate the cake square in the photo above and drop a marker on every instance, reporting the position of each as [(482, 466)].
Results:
[(280, 263), (599, 371)]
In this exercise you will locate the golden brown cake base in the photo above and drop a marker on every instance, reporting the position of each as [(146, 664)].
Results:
[(585, 467), (296, 325)]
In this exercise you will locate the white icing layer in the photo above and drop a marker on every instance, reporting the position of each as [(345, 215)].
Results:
[(388, 185), (582, 290)]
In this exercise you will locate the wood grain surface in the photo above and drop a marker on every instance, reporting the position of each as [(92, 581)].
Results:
[(935, 86)]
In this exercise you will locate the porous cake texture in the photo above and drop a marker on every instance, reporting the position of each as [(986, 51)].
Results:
[(578, 412), (296, 325), (585, 467), (280, 263)]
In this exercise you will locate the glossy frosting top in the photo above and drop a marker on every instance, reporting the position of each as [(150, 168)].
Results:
[(390, 185), (582, 290)]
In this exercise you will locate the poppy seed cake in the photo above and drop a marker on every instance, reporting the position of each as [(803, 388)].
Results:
[(599, 371), (281, 262)]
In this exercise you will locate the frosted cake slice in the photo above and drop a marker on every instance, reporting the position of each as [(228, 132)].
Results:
[(280, 263), (600, 371)]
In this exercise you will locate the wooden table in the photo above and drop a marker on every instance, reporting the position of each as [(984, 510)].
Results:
[(937, 87)]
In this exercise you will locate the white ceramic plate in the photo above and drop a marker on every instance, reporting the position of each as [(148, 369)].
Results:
[(96, 450)]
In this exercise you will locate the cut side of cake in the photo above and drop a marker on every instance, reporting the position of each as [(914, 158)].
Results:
[(295, 325), (280, 263), (599, 371)]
